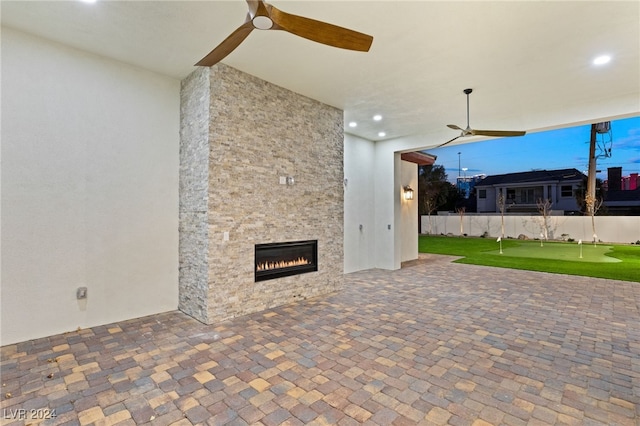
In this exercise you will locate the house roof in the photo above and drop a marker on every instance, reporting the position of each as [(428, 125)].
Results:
[(562, 175), (420, 158)]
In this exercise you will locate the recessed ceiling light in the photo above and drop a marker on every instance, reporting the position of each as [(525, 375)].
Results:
[(377, 117), (601, 60), (88, 1), (353, 124), (382, 134)]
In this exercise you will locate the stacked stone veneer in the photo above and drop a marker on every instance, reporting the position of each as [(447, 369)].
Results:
[(239, 135)]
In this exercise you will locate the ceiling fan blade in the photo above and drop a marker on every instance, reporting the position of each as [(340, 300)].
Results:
[(449, 141), (320, 32), (228, 45), (497, 133), (254, 6), (454, 127)]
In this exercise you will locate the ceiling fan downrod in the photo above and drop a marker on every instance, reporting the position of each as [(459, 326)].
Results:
[(468, 92)]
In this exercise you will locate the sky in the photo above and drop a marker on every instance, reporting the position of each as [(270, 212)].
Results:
[(548, 150)]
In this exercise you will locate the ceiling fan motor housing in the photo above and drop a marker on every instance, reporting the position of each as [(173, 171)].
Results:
[(262, 22)]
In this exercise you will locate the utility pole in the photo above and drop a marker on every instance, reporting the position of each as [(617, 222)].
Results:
[(590, 199), (591, 177), (458, 180)]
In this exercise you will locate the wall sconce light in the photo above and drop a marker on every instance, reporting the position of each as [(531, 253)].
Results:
[(408, 193)]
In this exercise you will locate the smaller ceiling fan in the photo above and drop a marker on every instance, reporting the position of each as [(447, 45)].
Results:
[(473, 132), (264, 16)]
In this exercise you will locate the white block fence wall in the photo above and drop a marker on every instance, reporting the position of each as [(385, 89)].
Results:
[(611, 229)]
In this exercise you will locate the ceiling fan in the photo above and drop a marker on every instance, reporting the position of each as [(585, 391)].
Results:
[(264, 16), (473, 132)]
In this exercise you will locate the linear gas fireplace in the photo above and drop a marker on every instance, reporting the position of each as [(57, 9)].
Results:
[(275, 260)]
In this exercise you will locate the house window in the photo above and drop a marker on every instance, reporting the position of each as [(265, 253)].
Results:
[(482, 193), (566, 191), (529, 195)]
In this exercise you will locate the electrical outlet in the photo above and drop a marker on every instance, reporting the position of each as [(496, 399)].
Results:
[(81, 293)]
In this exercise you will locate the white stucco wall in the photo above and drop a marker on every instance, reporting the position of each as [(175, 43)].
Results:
[(387, 208), (409, 212), (359, 204), (375, 176), (89, 189), (389, 217)]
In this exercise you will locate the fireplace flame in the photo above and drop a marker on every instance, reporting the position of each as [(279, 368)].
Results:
[(268, 266)]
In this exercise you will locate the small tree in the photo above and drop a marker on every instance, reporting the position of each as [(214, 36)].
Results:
[(460, 211), (502, 206), (580, 193), (544, 208), (433, 190), (593, 204), (430, 202)]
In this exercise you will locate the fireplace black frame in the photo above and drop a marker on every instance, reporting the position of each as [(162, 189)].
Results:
[(285, 251)]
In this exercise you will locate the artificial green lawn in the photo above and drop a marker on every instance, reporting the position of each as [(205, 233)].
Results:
[(620, 262)]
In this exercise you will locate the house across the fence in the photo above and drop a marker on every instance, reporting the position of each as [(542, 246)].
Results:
[(522, 191), (622, 193)]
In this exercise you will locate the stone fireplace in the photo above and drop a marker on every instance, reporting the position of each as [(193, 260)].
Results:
[(258, 165), (275, 260)]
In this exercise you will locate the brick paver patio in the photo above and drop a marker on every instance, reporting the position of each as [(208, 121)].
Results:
[(433, 343)]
